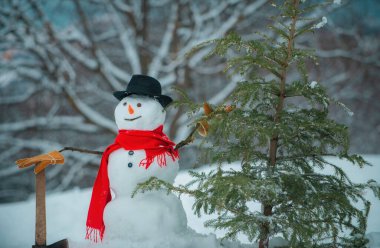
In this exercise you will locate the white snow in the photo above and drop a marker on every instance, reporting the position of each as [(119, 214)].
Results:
[(6, 78), (67, 212), (345, 108), (338, 2), (313, 84), (320, 24)]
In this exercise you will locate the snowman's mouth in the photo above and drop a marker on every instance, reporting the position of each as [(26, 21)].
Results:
[(132, 118)]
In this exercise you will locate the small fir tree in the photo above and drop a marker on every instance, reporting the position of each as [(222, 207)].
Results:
[(278, 128)]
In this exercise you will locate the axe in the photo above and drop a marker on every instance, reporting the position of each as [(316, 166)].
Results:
[(41, 162)]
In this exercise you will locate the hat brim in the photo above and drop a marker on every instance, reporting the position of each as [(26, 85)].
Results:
[(162, 99)]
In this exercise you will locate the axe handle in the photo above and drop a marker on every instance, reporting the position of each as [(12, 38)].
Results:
[(40, 208)]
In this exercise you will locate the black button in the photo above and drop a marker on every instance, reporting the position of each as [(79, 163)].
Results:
[(131, 153), (130, 165)]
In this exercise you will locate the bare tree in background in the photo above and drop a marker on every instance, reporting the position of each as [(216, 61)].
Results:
[(56, 83), (349, 63)]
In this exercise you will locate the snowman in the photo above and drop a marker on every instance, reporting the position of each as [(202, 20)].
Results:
[(141, 150)]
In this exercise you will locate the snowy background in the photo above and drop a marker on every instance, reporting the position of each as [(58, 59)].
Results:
[(61, 60), (67, 212)]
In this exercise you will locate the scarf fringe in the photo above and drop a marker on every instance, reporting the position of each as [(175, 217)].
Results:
[(161, 159), (93, 234)]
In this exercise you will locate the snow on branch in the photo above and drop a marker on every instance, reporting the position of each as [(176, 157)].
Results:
[(213, 12), (7, 77), (253, 7), (79, 56), (166, 41), (127, 41), (111, 67), (227, 90), (202, 32), (110, 71), (320, 24), (19, 98), (122, 6), (75, 123), (90, 114), (72, 34), (349, 54)]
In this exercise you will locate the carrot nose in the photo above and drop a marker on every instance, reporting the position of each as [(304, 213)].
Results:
[(130, 109)]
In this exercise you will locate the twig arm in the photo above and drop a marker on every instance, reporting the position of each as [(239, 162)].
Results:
[(74, 149), (189, 138)]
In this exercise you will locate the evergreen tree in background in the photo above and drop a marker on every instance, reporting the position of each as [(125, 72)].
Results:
[(278, 128)]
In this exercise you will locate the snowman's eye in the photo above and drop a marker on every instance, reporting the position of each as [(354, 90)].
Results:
[(125, 103), (139, 105)]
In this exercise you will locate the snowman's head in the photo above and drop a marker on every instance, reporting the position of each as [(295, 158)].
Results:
[(136, 112)]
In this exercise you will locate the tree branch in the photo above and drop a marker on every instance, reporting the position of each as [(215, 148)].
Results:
[(126, 40), (189, 138)]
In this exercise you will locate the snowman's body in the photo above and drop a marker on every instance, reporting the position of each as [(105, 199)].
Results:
[(150, 219), (124, 171), (153, 213), (150, 214)]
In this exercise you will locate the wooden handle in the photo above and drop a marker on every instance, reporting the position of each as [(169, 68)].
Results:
[(40, 208)]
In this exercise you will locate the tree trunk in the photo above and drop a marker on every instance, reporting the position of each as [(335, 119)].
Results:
[(273, 145)]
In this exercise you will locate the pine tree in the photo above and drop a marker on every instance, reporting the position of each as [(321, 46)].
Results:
[(277, 127)]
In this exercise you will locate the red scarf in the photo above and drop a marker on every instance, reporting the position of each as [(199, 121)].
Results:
[(156, 145)]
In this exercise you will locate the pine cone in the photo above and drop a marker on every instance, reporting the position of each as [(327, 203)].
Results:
[(207, 108), (203, 128), (229, 108)]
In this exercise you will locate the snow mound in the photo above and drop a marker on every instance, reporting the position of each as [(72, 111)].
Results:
[(67, 212)]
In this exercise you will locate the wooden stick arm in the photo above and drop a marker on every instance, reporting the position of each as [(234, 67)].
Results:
[(75, 149), (189, 138)]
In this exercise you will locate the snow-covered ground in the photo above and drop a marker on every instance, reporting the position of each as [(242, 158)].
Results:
[(67, 212)]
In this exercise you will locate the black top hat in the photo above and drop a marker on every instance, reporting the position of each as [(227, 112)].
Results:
[(146, 86)]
